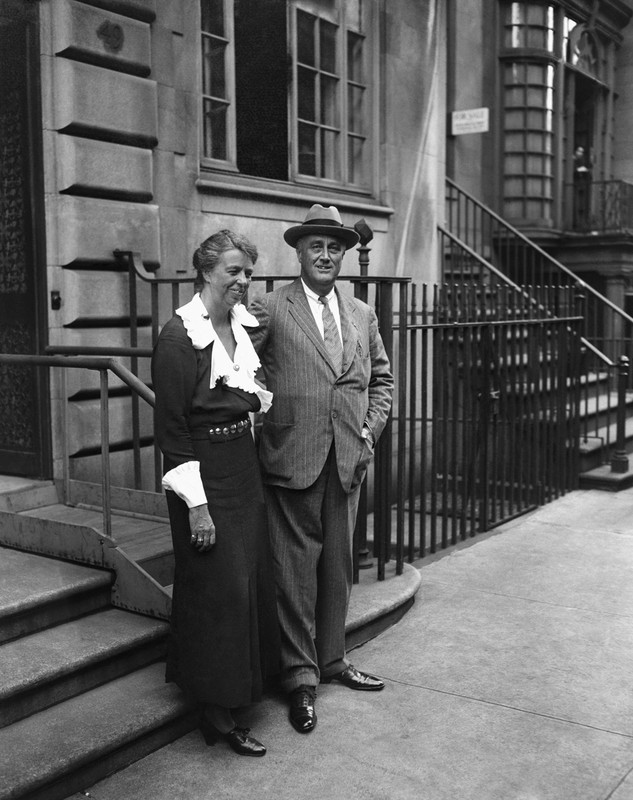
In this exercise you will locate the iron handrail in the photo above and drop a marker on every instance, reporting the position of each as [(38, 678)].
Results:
[(604, 334), (508, 282), (102, 365), (543, 253)]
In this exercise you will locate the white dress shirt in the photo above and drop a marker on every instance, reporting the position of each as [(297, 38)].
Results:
[(317, 308)]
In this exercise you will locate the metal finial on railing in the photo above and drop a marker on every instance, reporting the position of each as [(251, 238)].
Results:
[(366, 235)]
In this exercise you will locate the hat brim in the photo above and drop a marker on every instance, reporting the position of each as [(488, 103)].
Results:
[(348, 235)]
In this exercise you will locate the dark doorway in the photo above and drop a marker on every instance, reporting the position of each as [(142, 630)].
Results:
[(24, 414)]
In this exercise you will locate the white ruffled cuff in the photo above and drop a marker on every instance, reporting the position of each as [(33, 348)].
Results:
[(186, 482)]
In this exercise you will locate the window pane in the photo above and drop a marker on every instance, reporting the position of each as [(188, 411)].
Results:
[(535, 119), (306, 94), (538, 209), (513, 208), (514, 187), (536, 73), (515, 120), (515, 142), (536, 96), (213, 67), (515, 74), (212, 12), (535, 164), (514, 165), (355, 115), (515, 96), (307, 149), (356, 161), (355, 57), (329, 101), (214, 133), (327, 51), (305, 38), (330, 156)]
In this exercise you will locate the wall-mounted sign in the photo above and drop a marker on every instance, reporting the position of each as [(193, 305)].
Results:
[(470, 120)]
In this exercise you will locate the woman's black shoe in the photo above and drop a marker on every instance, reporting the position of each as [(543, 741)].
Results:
[(238, 739)]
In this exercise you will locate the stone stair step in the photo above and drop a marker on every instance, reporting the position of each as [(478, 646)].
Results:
[(20, 494), (52, 665), (73, 744), (37, 592)]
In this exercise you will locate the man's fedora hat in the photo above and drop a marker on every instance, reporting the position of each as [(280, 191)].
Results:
[(327, 222)]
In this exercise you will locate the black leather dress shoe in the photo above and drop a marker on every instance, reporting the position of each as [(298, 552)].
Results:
[(302, 714), (238, 739), (355, 679)]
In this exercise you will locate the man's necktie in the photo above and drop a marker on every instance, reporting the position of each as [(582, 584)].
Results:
[(331, 336)]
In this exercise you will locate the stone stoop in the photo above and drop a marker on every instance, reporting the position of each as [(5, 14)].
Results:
[(82, 689)]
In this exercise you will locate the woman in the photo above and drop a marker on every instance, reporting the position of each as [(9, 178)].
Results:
[(224, 633)]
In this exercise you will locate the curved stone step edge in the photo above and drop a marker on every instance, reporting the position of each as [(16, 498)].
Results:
[(63, 749), (133, 589), (79, 659)]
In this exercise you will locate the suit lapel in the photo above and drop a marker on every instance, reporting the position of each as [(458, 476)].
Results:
[(300, 311), (349, 329)]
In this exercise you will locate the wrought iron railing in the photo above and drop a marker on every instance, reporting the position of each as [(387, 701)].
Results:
[(594, 207), (479, 246), (484, 420), (492, 414)]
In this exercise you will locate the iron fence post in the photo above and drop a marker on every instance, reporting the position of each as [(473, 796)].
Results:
[(620, 459), (134, 261), (362, 560), (105, 454)]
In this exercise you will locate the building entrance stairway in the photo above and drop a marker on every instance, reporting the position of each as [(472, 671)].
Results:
[(82, 688)]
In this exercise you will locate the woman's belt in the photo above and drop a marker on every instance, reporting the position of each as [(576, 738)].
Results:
[(224, 430)]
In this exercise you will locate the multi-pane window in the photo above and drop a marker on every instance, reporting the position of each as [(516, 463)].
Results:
[(332, 106), (529, 140), (310, 123), (217, 79), (528, 111), (529, 25)]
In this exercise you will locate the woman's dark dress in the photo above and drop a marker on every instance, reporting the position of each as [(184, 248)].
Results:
[(224, 632)]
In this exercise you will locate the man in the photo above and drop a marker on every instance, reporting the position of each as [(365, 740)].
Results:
[(326, 365)]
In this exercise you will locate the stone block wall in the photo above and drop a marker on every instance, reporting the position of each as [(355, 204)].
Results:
[(100, 108)]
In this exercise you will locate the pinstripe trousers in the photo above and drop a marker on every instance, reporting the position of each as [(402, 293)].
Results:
[(311, 533)]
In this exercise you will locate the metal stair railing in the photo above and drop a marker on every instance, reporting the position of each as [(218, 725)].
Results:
[(480, 246), (607, 326), (103, 365)]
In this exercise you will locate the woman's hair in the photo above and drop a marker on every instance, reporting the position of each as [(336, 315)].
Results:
[(208, 254)]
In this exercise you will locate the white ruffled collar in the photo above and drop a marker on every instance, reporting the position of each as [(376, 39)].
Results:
[(238, 372)]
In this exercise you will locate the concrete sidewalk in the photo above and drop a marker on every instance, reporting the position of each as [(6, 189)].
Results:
[(511, 678)]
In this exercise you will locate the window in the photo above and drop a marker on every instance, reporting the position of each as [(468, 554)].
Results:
[(287, 91), (529, 25), (528, 112), (529, 141), (332, 111), (218, 108)]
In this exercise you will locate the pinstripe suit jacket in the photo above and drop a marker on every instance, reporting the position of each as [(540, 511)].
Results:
[(312, 406)]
